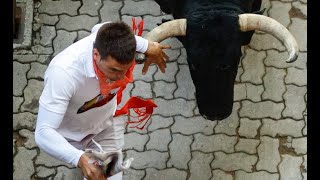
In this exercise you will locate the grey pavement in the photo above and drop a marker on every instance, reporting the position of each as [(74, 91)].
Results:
[(265, 138)]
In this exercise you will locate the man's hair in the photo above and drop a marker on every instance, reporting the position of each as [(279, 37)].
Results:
[(117, 40)]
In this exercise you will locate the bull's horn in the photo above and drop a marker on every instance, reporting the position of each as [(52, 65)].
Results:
[(168, 29), (249, 22)]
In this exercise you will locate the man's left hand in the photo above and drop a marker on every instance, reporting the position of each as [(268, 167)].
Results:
[(155, 54)]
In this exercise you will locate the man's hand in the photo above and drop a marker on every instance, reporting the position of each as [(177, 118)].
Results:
[(155, 54), (90, 171)]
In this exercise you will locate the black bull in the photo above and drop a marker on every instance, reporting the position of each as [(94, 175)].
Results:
[(213, 43)]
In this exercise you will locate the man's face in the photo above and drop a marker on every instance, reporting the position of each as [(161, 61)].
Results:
[(110, 67)]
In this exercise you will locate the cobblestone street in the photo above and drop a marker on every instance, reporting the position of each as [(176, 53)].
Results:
[(265, 137)]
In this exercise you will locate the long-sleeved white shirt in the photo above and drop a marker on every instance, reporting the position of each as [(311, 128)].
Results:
[(69, 83)]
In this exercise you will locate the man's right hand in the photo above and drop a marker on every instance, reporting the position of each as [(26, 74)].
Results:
[(89, 170)]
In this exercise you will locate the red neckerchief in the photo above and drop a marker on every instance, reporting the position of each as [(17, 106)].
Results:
[(143, 108)]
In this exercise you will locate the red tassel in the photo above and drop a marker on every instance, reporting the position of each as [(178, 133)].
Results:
[(140, 27), (143, 109), (134, 26)]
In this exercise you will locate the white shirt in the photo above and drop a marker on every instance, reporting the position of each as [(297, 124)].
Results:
[(69, 83)]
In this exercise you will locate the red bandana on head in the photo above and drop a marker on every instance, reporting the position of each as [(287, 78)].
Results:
[(143, 108)]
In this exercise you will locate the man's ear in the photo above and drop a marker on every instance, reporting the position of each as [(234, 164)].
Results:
[(96, 54)]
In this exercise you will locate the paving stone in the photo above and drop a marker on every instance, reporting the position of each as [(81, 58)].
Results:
[(234, 161), (169, 75), (192, 125), (277, 59), (229, 125), (200, 166), (159, 122), (240, 92), (186, 88), (179, 149), (135, 141), (37, 71), (22, 52), (294, 101), (253, 67), (30, 143), (296, 76), (137, 73), (66, 173), (305, 162), (304, 1), (90, 7), (182, 59), (248, 128), (110, 11), (25, 58), (258, 42), (31, 96), (305, 129), (274, 84), (266, 4), (151, 22), (44, 59), (301, 7), (147, 159), (47, 34), (56, 7), (298, 29), (131, 174), (289, 167), (48, 20), (261, 175), (14, 147), (19, 77), (261, 109), (81, 22), (304, 176), (168, 174), (174, 107), (220, 175), (47, 160), (134, 8), (17, 101), (159, 140), (247, 145), (280, 12), (38, 49), (268, 153), (43, 172), (22, 164), (283, 127), (24, 120), (142, 89), (300, 145), (217, 142), (164, 89), (254, 92), (239, 73), (63, 40), (82, 34)]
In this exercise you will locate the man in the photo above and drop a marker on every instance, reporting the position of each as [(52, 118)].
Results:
[(78, 102)]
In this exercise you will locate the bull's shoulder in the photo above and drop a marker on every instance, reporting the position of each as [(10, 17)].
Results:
[(165, 6)]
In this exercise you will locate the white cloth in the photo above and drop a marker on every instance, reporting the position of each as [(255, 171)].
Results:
[(69, 83)]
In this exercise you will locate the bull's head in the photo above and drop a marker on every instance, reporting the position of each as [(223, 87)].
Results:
[(213, 48)]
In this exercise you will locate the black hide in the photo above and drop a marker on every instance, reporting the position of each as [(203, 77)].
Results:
[(213, 43)]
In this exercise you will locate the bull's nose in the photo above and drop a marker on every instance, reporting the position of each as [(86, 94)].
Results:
[(214, 117)]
